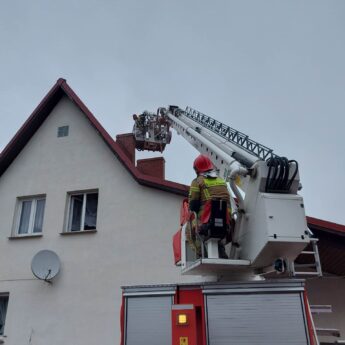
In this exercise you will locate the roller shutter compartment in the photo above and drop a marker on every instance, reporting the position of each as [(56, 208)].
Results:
[(148, 320), (259, 318)]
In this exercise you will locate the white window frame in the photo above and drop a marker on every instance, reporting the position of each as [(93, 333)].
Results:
[(20, 202), (70, 211)]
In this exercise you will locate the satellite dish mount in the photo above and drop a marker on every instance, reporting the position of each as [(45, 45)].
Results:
[(45, 265)]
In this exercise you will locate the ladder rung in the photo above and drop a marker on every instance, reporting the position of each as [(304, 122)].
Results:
[(307, 273), (328, 331), (308, 252), (305, 265), (321, 309)]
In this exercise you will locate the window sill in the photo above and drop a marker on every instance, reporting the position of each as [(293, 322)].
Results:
[(78, 232), (18, 237)]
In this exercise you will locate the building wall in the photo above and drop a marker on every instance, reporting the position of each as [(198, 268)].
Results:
[(132, 244)]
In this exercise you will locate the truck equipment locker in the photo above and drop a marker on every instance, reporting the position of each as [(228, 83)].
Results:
[(236, 313)]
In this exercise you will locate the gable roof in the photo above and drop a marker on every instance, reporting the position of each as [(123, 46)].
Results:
[(32, 124), (42, 111)]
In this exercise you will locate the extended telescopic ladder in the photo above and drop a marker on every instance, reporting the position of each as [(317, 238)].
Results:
[(230, 134)]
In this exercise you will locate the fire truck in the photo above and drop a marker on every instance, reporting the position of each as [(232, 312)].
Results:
[(256, 295)]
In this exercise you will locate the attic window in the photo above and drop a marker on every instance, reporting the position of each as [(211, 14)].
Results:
[(62, 131)]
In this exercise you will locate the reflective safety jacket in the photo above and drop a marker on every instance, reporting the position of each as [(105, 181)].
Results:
[(202, 191)]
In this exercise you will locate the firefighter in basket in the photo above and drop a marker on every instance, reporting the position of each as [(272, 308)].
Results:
[(209, 196)]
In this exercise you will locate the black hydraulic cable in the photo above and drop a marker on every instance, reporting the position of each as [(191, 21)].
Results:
[(280, 174), (287, 173), (272, 164), (279, 184), (293, 175), (268, 178), (275, 175), (284, 174)]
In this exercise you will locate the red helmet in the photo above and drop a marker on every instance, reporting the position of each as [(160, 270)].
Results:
[(202, 163)]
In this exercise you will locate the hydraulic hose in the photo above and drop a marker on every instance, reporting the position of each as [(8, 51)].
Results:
[(277, 180)]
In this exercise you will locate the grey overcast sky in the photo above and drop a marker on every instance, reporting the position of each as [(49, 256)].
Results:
[(274, 70)]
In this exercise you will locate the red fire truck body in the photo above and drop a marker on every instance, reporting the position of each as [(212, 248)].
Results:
[(252, 312)]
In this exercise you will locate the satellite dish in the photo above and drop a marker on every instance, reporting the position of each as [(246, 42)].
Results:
[(45, 265)]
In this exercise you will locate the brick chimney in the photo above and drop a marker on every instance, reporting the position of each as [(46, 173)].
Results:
[(152, 166), (127, 144)]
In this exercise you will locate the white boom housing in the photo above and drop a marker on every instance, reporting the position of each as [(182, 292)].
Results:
[(273, 225)]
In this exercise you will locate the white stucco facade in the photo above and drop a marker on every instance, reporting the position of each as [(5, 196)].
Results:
[(132, 244)]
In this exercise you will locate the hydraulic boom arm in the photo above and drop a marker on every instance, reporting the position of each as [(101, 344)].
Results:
[(271, 221)]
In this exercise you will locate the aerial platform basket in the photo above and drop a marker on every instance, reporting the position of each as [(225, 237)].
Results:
[(151, 132)]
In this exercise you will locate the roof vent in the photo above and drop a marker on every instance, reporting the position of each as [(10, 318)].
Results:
[(62, 131)]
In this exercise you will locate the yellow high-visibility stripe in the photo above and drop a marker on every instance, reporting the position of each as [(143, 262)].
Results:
[(214, 182), (207, 194)]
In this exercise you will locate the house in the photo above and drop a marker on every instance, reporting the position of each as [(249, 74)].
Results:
[(66, 185)]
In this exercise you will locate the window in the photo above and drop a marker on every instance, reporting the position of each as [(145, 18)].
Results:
[(30, 215), (3, 310), (82, 214), (62, 131)]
